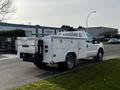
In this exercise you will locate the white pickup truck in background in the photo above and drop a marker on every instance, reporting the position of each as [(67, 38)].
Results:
[(64, 49)]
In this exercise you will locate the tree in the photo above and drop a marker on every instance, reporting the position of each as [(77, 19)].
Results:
[(81, 27), (67, 28), (5, 9)]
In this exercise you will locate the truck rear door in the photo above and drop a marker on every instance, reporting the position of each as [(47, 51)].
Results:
[(27, 45)]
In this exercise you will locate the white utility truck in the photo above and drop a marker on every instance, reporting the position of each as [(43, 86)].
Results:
[(62, 49)]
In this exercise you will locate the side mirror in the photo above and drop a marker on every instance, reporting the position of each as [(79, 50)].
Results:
[(95, 41)]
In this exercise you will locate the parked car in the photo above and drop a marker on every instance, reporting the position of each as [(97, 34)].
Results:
[(113, 41)]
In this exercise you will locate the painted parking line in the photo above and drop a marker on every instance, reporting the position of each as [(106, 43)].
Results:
[(8, 56)]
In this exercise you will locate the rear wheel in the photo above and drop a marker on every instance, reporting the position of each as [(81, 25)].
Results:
[(69, 63), (99, 56), (38, 62), (27, 60)]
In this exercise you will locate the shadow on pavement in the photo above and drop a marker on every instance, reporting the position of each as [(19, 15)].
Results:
[(53, 69)]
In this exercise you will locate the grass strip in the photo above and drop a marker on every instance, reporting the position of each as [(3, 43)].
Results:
[(100, 76)]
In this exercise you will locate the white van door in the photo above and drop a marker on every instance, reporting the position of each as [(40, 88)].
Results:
[(91, 48)]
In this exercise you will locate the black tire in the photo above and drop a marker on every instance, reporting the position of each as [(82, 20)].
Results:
[(69, 63), (39, 63), (99, 56), (24, 59)]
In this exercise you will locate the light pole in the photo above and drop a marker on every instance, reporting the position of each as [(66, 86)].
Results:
[(89, 14)]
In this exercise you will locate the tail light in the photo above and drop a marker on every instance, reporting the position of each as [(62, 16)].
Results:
[(46, 48)]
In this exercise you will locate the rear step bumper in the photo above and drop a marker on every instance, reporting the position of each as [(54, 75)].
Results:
[(27, 57)]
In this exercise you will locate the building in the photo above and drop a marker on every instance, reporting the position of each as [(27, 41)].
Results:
[(97, 31), (30, 30), (8, 42)]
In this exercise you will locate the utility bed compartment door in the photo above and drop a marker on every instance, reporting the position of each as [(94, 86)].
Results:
[(82, 49), (62, 46)]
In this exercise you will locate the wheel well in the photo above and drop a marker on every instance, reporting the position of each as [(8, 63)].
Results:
[(101, 49), (73, 53)]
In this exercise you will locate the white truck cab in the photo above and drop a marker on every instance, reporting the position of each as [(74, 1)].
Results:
[(64, 49)]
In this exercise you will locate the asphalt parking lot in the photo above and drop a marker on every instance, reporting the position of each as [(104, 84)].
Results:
[(14, 72), (112, 49)]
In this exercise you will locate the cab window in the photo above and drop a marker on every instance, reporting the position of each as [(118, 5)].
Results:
[(90, 38)]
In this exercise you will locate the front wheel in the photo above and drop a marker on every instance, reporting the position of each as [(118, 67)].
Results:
[(69, 63), (99, 56)]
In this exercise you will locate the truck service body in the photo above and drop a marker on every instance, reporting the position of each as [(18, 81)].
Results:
[(64, 49)]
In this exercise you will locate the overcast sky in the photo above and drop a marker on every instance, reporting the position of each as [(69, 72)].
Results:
[(70, 12)]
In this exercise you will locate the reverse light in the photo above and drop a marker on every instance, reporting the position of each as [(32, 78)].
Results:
[(46, 48), (46, 51)]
